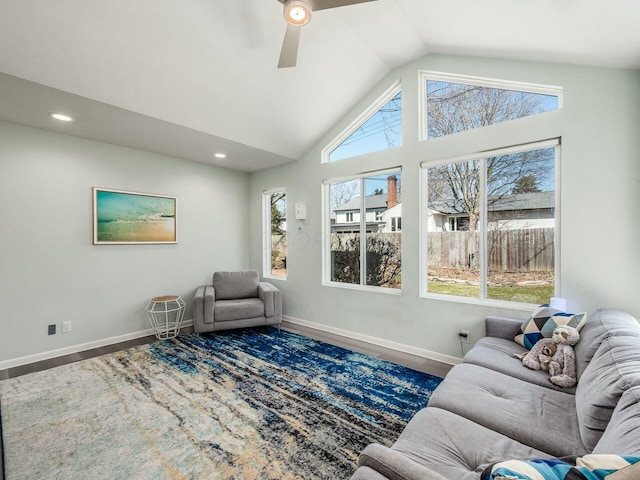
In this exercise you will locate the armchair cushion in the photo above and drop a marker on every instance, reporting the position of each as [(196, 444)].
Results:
[(240, 309), (234, 285)]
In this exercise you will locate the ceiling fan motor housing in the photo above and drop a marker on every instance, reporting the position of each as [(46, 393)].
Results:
[(297, 12)]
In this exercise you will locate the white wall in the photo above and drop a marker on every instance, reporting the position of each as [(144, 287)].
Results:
[(50, 271), (600, 178)]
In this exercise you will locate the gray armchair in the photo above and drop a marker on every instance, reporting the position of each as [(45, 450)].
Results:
[(236, 300)]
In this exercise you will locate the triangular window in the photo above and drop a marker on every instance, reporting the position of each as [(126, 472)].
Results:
[(379, 128)]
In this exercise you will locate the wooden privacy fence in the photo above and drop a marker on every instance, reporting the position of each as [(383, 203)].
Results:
[(518, 250)]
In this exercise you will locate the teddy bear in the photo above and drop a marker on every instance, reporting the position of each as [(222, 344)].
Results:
[(562, 366), (539, 357), (562, 362), (546, 355)]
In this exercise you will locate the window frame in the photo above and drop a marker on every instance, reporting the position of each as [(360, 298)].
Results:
[(326, 233), (424, 237), (266, 232), (426, 75), (361, 119)]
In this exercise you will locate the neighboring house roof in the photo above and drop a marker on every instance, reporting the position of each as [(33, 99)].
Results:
[(371, 202), (521, 201)]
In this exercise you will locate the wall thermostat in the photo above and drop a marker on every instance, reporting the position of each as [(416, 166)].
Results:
[(301, 211)]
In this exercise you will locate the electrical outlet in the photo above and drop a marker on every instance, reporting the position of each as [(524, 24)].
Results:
[(465, 336), (66, 327), (52, 329)]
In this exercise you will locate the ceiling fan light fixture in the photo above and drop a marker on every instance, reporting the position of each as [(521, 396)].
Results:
[(297, 12)]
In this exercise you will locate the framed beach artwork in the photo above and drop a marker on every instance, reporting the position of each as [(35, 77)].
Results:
[(125, 218)]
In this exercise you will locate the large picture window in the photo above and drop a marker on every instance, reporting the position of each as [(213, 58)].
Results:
[(456, 104), (491, 225), (274, 204), (363, 231)]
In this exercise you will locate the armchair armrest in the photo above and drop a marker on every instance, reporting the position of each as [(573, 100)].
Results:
[(395, 465), (272, 299), (503, 327)]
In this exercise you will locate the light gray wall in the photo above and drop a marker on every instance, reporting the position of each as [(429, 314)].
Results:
[(600, 199), (50, 271)]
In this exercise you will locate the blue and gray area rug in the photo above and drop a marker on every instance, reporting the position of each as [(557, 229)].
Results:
[(245, 404)]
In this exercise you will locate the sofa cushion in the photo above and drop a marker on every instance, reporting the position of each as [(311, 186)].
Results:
[(615, 367), (621, 435), (241, 309), (540, 417), (604, 323), (498, 354), (232, 285), (543, 322), (456, 447), (593, 467)]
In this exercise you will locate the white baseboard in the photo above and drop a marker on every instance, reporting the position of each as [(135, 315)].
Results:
[(60, 352), (420, 352)]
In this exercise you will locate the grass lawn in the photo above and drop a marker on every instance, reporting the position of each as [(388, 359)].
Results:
[(527, 294)]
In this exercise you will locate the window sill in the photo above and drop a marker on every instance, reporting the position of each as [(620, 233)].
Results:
[(364, 288), (275, 277), (527, 307)]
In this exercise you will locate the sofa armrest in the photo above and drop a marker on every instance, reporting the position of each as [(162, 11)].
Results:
[(272, 299), (367, 473), (394, 465), (502, 327), (203, 307)]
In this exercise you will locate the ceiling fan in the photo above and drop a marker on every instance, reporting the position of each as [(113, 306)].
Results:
[(297, 13)]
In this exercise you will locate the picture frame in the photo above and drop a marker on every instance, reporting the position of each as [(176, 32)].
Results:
[(122, 217)]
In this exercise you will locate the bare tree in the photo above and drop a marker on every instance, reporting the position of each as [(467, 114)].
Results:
[(343, 192), (278, 212), (390, 114), (454, 108)]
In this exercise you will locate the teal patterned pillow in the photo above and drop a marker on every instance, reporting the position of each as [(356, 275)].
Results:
[(589, 467), (543, 322)]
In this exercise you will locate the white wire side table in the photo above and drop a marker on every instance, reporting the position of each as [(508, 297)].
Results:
[(165, 315)]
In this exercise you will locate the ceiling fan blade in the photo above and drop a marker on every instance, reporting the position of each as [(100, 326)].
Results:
[(289, 52), (326, 4)]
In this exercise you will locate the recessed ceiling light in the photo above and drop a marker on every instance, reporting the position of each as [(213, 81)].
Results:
[(61, 116), (220, 155)]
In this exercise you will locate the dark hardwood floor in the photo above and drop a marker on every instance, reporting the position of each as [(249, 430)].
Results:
[(402, 358), (74, 357)]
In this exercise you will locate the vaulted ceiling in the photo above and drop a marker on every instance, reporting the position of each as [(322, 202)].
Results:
[(189, 78)]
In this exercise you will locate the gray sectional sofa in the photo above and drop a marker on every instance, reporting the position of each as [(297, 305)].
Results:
[(490, 408)]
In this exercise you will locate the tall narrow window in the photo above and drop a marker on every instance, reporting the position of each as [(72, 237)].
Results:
[(458, 104), (364, 211), (491, 225), (379, 128), (275, 236)]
